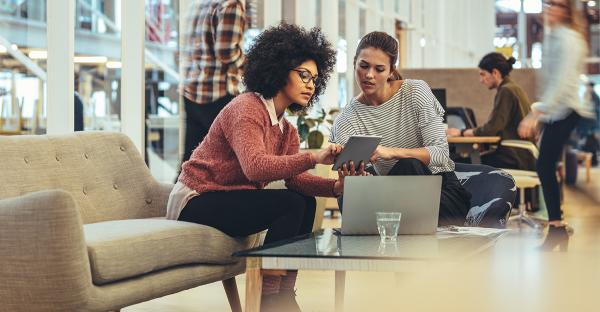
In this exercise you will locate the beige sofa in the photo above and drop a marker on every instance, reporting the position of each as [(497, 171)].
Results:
[(82, 229)]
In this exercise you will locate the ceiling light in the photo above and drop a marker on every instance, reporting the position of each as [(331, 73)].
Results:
[(90, 59), (113, 64), (38, 54)]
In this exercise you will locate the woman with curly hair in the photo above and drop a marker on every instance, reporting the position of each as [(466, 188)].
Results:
[(250, 144)]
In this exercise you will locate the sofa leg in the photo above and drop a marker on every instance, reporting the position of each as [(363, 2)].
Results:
[(232, 294)]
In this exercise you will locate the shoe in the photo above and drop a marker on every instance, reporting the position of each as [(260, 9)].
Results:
[(558, 236)]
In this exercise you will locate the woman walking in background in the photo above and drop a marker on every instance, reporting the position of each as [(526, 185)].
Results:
[(560, 107)]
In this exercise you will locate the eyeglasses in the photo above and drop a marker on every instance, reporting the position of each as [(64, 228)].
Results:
[(557, 4), (306, 76)]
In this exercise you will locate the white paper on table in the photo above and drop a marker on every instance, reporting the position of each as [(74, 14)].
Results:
[(468, 230)]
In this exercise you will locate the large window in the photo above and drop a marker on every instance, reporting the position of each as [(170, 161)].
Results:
[(97, 64), (22, 67), (161, 88)]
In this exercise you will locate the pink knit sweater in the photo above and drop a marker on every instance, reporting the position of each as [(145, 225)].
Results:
[(243, 151)]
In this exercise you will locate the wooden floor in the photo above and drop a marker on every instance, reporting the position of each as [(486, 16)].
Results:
[(512, 276)]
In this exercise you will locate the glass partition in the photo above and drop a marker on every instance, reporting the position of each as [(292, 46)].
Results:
[(22, 67), (97, 65), (161, 87)]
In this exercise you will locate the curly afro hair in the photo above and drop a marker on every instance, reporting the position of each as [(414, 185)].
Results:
[(280, 49)]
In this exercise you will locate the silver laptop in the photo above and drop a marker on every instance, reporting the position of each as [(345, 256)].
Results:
[(416, 197)]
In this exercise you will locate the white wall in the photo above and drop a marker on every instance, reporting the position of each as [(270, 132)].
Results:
[(457, 33)]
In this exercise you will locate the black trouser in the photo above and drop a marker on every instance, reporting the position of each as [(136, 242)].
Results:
[(455, 201), (284, 213), (199, 118), (554, 137)]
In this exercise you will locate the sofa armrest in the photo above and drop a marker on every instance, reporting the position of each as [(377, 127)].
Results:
[(160, 194), (43, 256)]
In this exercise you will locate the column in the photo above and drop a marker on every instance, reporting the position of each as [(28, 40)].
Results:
[(60, 85), (272, 12), (352, 37), (132, 71), (522, 35), (184, 6), (306, 13), (329, 25)]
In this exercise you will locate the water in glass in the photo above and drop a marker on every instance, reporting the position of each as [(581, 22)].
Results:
[(388, 224)]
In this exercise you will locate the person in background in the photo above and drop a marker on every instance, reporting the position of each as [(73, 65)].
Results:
[(560, 108), (409, 119), (212, 64), (511, 105), (589, 127), (250, 145)]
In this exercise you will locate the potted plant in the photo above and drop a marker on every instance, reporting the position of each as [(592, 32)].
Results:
[(305, 123)]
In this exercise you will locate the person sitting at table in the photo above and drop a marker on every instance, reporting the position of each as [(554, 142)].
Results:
[(511, 105), (250, 144), (409, 119)]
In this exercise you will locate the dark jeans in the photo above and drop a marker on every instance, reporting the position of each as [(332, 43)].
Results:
[(454, 200), (199, 118), (553, 140), (284, 213)]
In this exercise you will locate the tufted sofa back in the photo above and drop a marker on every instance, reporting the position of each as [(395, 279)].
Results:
[(103, 171)]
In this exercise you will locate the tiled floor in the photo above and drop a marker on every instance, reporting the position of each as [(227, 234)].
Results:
[(512, 276)]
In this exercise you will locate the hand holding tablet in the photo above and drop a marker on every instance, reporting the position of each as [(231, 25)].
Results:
[(358, 148)]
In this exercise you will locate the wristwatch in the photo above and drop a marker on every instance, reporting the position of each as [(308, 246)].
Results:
[(462, 132)]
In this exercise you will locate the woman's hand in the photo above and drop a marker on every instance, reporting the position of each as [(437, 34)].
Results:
[(452, 132), (327, 155), (528, 127), (345, 171), (385, 153)]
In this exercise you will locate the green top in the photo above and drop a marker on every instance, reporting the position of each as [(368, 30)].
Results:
[(511, 105)]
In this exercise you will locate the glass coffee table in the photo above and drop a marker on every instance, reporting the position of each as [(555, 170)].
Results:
[(326, 250)]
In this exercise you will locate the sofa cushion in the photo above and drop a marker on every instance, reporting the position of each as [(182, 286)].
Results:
[(126, 248)]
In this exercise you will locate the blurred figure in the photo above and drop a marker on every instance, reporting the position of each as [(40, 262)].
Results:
[(78, 113), (212, 64), (511, 105), (560, 108), (589, 128)]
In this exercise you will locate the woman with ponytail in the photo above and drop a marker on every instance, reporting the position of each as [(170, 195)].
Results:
[(408, 118), (511, 105)]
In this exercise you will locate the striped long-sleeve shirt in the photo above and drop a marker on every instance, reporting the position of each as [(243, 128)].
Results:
[(213, 58), (411, 118)]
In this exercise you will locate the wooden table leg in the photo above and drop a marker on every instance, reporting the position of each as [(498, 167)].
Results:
[(253, 284), (232, 294), (588, 165), (340, 285)]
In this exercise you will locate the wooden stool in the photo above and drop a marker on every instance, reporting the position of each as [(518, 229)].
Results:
[(586, 157), (524, 182)]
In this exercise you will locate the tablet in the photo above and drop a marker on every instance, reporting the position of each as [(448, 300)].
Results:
[(358, 148)]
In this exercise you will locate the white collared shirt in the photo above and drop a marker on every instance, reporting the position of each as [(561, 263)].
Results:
[(270, 105)]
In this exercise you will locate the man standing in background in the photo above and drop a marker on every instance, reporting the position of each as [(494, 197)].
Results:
[(212, 64)]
